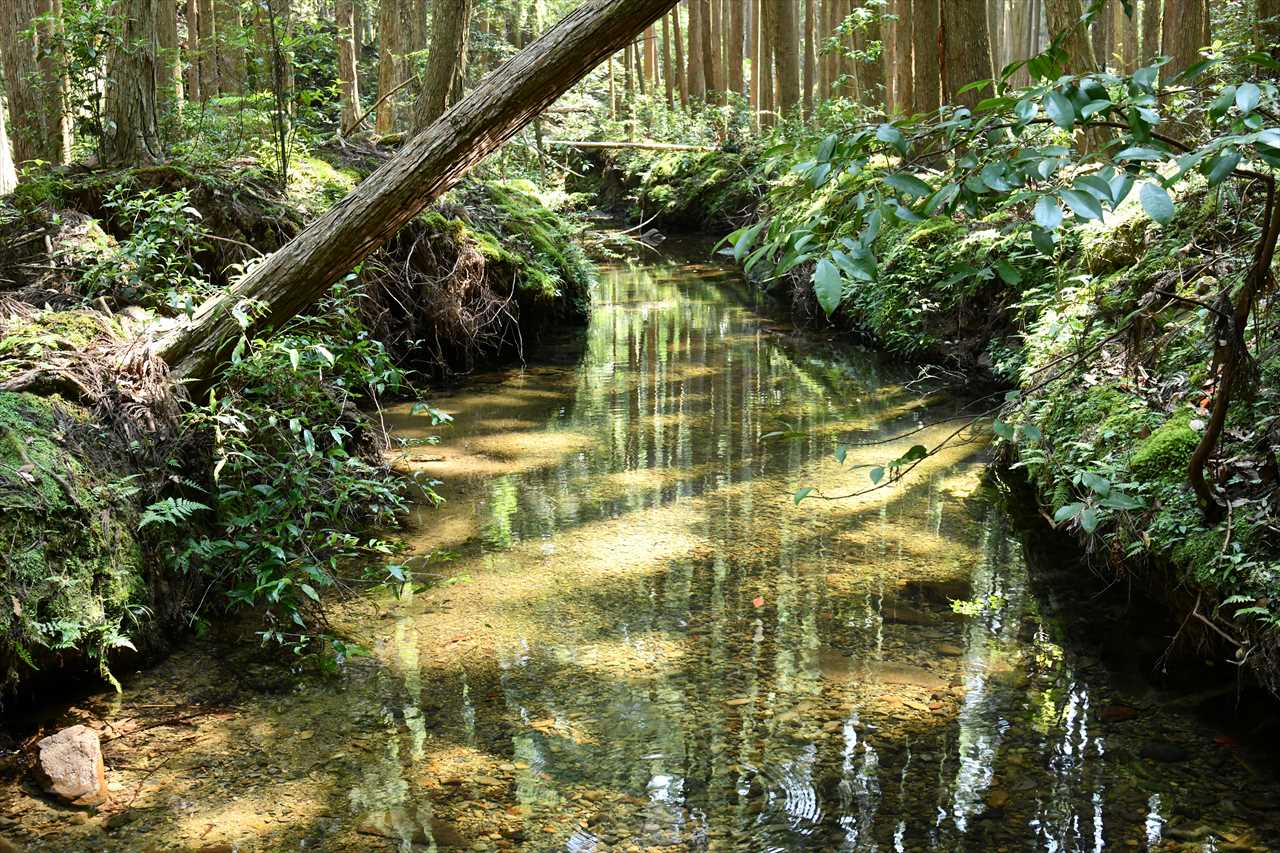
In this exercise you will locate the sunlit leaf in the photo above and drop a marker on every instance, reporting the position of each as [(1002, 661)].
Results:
[(828, 286), (1156, 202)]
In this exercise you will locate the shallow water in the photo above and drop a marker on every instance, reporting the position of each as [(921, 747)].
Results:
[(636, 640)]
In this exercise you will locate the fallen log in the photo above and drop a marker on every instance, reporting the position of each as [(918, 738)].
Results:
[(291, 279), (642, 146)]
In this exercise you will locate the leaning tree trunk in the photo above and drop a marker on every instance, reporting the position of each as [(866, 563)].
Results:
[(291, 279), (447, 62), (131, 137)]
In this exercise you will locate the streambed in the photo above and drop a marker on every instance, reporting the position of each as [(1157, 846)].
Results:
[(634, 639)]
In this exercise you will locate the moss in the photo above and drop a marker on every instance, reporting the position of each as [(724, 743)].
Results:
[(1162, 456), (73, 569)]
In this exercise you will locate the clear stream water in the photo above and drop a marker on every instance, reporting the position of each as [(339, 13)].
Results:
[(634, 639)]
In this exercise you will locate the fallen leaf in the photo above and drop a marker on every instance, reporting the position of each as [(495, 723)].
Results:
[(758, 601)]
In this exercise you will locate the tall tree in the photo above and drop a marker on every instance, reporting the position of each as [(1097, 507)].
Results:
[(1185, 31), (651, 58), (28, 95), (131, 136), (169, 59), (696, 73), (447, 61), (53, 79), (786, 42), (8, 175), (682, 77), (737, 42), (927, 82), (388, 64), (767, 59), (208, 51), (1268, 26), (348, 62), (754, 34), (707, 52), (1064, 17), (231, 54), (810, 82), (901, 69), (668, 79), (1149, 49), (191, 49), (966, 49), (712, 13)]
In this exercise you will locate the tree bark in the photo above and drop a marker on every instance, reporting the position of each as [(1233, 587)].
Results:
[(1150, 46), (192, 51), (1182, 35), (668, 79), (291, 279), (768, 29), (208, 51), (169, 70), (966, 50), (708, 46), (348, 62), (715, 45), (754, 100), (737, 39), (902, 67), (810, 83), (231, 68), (786, 40), (1268, 27), (696, 74), (1064, 17), (447, 61), (21, 71), (927, 83), (388, 64), (682, 77), (867, 80), (131, 137), (8, 174), (53, 80)]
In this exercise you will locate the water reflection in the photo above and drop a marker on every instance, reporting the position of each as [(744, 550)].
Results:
[(648, 646)]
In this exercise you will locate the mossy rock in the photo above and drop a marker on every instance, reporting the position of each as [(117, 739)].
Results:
[(73, 571), (1162, 456)]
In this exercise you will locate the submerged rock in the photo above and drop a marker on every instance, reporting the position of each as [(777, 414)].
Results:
[(69, 766)]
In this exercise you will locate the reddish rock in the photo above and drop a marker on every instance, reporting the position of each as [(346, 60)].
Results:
[(1118, 713), (69, 766)]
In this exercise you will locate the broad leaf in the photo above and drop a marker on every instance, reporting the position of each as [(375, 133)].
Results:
[(1047, 213), (1060, 110), (828, 286), (909, 184), (1082, 204), (1248, 96), (1156, 202)]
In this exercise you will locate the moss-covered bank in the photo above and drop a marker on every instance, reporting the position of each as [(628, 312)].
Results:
[(121, 518)]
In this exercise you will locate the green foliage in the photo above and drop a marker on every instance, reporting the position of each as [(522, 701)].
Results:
[(1162, 456)]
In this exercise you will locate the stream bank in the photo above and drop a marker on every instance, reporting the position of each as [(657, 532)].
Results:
[(633, 639)]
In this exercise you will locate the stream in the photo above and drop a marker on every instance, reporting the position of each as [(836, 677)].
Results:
[(632, 638)]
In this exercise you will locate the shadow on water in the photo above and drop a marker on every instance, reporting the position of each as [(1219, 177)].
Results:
[(637, 640)]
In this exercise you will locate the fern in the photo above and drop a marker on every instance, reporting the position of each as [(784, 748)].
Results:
[(173, 511)]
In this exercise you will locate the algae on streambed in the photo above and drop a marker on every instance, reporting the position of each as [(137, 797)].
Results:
[(634, 639)]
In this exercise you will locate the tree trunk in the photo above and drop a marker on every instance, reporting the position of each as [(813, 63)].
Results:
[(737, 40), (348, 63), (682, 77), (810, 84), (291, 279), (8, 175), (208, 51), (668, 79), (696, 74), (966, 50), (230, 50), (53, 81), (867, 79), (1064, 17), (1182, 36), (21, 71), (1268, 27), (169, 71), (1150, 46), (786, 42), (131, 137), (194, 91), (447, 61), (651, 59), (715, 45), (768, 30), (901, 36), (708, 45), (388, 64), (927, 84)]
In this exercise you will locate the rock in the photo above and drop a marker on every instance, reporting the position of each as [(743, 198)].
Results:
[(950, 651), (397, 825), (7, 846), (914, 676), (1167, 753), (1117, 713), (997, 798), (69, 766)]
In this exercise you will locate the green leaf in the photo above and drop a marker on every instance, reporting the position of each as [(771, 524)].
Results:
[(1139, 153), (1119, 500), (1082, 204), (1156, 202), (828, 286), (1222, 166), (917, 452), (802, 494), (1066, 512), (877, 474), (310, 591), (1026, 109), (1008, 274), (746, 240), (909, 184), (827, 148), (842, 453), (1002, 429), (1096, 483), (1060, 110), (1031, 432), (1089, 520), (1093, 108), (1047, 213), (1248, 96), (1223, 102)]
